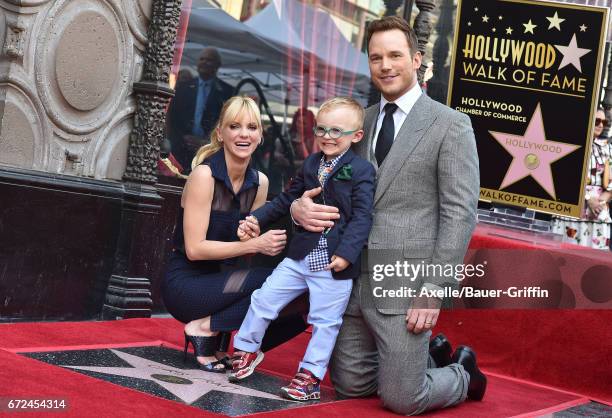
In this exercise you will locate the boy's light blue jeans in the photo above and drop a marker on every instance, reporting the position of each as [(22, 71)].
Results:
[(328, 301)]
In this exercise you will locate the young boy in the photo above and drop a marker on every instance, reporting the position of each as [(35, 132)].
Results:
[(322, 263)]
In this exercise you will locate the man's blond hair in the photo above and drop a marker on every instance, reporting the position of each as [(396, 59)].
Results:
[(336, 102)]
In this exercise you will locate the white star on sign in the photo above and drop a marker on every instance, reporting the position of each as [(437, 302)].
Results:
[(509, 30), (583, 28), (529, 27), (571, 54), (193, 383), (485, 18), (555, 22)]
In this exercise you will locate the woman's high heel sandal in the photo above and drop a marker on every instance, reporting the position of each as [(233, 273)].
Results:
[(204, 347), (224, 342)]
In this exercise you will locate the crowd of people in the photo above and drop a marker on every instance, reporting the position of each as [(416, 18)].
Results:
[(593, 229), (370, 183)]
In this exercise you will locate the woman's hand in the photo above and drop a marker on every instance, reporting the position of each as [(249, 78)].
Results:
[(272, 242)]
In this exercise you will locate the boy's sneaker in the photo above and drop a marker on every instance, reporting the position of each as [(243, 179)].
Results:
[(304, 387), (244, 366)]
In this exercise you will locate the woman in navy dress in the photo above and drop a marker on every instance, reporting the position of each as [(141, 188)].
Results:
[(203, 287)]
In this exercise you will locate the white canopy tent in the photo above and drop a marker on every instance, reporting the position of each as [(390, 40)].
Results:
[(275, 56), (316, 33)]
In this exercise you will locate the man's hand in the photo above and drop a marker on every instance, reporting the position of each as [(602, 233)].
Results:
[(337, 264), (248, 228), (311, 216), (423, 314)]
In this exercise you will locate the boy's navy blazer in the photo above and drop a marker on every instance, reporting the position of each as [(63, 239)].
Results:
[(354, 199)]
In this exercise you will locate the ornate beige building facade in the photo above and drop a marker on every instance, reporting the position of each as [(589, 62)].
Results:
[(66, 73)]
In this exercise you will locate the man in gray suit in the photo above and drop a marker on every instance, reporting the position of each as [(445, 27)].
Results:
[(424, 213)]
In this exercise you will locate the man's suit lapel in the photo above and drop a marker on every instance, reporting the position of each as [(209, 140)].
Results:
[(408, 137), (364, 147)]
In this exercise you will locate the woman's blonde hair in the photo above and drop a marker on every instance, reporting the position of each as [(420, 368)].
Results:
[(233, 107)]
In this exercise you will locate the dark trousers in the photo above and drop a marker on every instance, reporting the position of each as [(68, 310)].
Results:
[(225, 296)]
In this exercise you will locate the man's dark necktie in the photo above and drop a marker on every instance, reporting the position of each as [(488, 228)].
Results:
[(386, 134)]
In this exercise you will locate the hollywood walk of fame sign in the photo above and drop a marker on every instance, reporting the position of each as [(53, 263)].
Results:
[(528, 77)]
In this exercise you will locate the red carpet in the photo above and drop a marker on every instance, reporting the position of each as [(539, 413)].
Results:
[(510, 344)]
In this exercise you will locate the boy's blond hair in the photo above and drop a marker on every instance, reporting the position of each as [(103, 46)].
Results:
[(335, 102)]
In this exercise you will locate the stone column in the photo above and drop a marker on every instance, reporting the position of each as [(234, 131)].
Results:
[(128, 293), (408, 4), (422, 27), (391, 6), (437, 87), (153, 94)]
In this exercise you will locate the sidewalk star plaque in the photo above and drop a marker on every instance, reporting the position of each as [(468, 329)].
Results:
[(527, 73)]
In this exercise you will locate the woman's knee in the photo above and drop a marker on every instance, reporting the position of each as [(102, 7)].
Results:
[(255, 278)]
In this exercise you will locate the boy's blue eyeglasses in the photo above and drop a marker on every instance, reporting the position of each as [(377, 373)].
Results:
[(334, 133)]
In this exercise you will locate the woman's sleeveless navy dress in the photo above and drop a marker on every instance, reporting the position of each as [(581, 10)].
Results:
[(218, 288)]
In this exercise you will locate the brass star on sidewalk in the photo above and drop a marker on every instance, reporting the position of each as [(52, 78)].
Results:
[(555, 22), (186, 384)]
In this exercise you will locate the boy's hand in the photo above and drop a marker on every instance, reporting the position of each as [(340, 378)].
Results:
[(337, 264), (248, 228), (242, 236)]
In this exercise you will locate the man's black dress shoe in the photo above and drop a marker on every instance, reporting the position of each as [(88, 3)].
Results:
[(478, 381), (440, 350)]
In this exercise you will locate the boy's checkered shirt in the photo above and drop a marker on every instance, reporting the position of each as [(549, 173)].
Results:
[(318, 258)]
